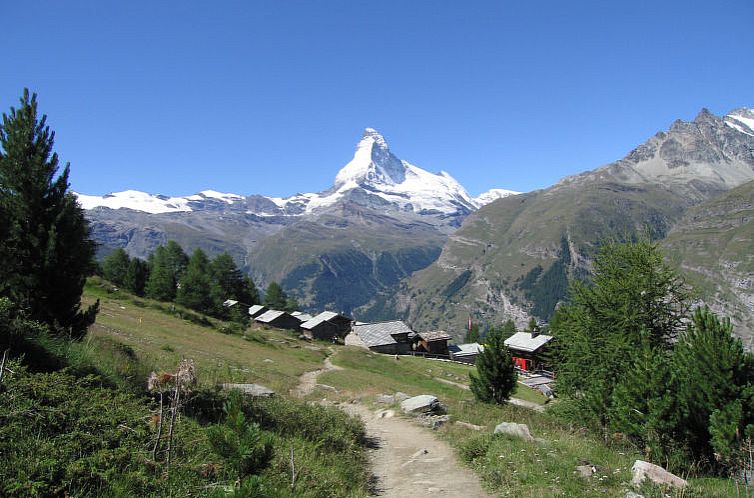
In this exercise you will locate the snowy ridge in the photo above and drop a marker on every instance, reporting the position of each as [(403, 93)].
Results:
[(374, 171), (741, 120), (493, 195)]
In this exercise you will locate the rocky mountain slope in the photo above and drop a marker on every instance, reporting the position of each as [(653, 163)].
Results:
[(713, 244), (514, 257), (345, 248)]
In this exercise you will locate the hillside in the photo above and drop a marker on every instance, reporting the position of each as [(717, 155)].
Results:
[(712, 245), (515, 257), (157, 337)]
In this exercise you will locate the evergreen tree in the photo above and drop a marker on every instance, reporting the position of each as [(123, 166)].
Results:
[(115, 266), (194, 289), (508, 330), (228, 282), (275, 297), (635, 297), (46, 250), (714, 376), (175, 259), (161, 284), (496, 374), (136, 276), (473, 334)]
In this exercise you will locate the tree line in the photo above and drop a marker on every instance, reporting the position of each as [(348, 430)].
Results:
[(196, 281), (635, 362)]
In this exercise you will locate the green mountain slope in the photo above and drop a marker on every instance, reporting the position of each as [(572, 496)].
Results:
[(713, 245), (515, 257)]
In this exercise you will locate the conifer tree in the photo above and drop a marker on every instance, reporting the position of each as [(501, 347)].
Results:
[(634, 297), (473, 334), (714, 374), (115, 266), (509, 329), (46, 250), (228, 282), (496, 374), (194, 289), (136, 276), (275, 297), (161, 284)]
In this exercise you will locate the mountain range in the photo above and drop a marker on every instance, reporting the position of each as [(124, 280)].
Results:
[(390, 239)]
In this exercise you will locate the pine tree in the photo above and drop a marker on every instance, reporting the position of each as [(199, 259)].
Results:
[(228, 282), (161, 284), (275, 297), (496, 374), (508, 330), (115, 266), (473, 334), (46, 249), (713, 372), (194, 289), (634, 297), (136, 276)]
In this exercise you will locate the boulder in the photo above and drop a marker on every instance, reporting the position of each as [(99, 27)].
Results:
[(585, 471), (434, 422), (424, 403), (645, 470), (399, 396), (384, 398), (253, 390), (515, 430)]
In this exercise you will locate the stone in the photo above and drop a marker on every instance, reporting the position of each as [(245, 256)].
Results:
[(385, 398), (267, 360), (644, 470), (399, 396), (434, 422), (515, 430), (469, 426), (585, 471), (631, 494), (326, 387), (424, 403), (385, 414), (253, 390)]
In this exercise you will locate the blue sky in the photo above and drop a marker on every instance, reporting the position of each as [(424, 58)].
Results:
[(271, 97)]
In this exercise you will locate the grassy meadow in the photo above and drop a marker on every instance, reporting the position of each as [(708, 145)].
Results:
[(133, 336)]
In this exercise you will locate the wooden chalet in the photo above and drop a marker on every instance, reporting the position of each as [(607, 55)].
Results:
[(527, 349), (327, 326), (393, 337), (257, 309), (279, 319), (434, 342), (465, 353)]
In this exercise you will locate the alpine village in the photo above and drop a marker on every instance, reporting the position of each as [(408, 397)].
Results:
[(390, 334)]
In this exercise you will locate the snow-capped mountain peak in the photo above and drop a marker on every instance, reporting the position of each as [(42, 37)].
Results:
[(493, 195), (374, 177), (372, 163)]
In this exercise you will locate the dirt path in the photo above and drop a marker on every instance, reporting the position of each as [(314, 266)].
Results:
[(407, 460), (308, 381), (411, 461)]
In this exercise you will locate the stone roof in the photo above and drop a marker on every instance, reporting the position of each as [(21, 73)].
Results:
[(470, 348), (301, 315), (381, 333), (523, 341), (325, 316), (256, 309), (269, 316), (435, 335)]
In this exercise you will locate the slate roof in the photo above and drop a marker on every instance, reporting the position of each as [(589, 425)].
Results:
[(325, 316), (435, 335), (269, 316), (253, 310), (301, 315), (523, 341), (381, 333), (470, 348)]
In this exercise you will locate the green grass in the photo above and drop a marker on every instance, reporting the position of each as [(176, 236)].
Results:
[(507, 466), (159, 338)]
